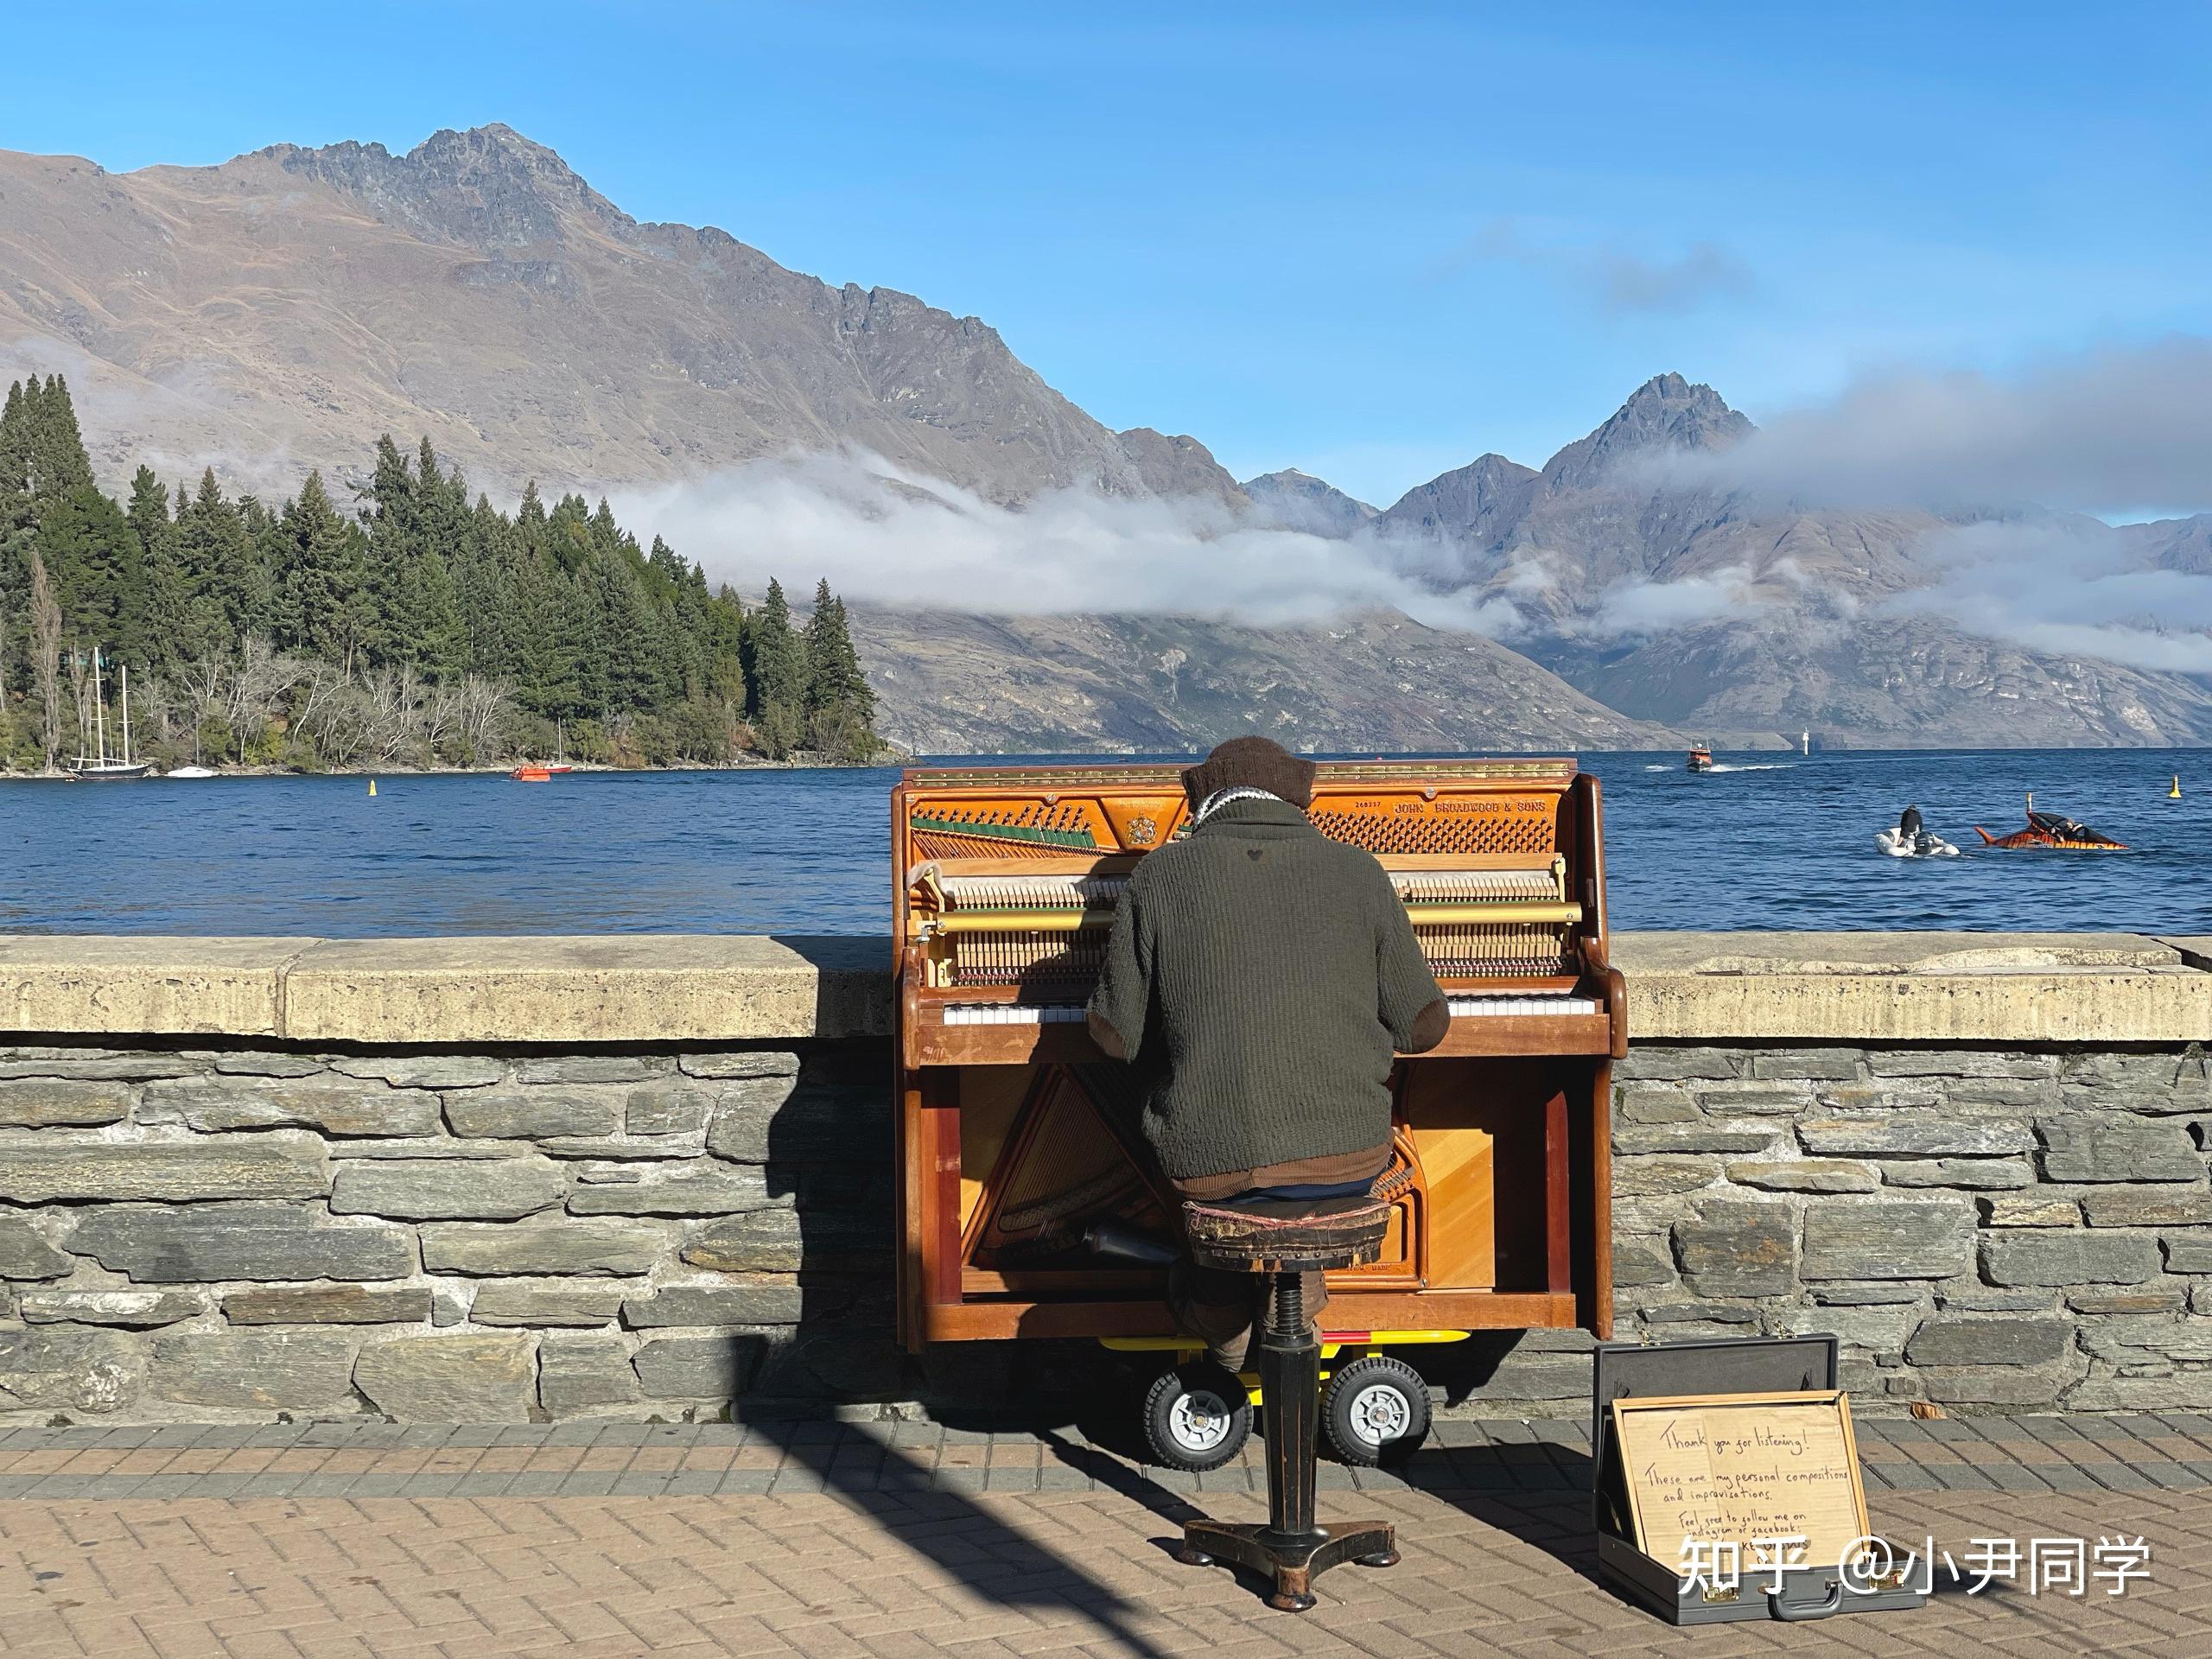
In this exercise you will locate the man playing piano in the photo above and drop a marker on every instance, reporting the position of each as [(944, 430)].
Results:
[(1260, 977)]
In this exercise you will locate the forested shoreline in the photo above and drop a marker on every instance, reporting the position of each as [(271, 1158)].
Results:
[(410, 628)]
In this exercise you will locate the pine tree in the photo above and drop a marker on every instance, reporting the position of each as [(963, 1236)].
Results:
[(394, 543), (58, 462), (16, 441), (484, 590), (154, 620), (840, 707), (321, 603), (89, 552), (225, 568), (727, 626), (430, 620), (776, 675), (435, 598), (16, 519), (560, 610), (779, 677)]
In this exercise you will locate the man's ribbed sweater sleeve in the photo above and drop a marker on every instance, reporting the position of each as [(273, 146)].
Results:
[(1413, 1007), (1115, 1014)]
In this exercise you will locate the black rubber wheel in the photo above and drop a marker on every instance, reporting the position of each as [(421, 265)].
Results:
[(1376, 1410), (1196, 1417)]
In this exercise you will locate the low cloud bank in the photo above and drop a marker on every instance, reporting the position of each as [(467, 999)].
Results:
[(2122, 429), (885, 536), (2069, 589), (2116, 426)]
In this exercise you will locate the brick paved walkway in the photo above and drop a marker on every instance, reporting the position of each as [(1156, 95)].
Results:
[(877, 1541)]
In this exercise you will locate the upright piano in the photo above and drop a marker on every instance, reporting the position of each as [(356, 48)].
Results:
[(1016, 1134)]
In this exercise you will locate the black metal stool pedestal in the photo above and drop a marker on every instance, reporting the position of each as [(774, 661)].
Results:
[(1283, 1238)]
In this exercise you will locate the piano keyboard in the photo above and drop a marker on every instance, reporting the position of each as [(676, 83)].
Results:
[(1013, 1013), (1070, 1013), (1466, 1007)]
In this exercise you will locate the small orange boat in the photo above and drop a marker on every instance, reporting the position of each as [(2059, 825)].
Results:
[(2052, 830), (532, 775), (1701, 759)]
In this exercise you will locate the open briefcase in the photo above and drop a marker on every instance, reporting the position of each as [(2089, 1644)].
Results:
[(1755, 1365)]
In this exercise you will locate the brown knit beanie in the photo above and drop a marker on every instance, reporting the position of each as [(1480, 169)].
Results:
[(1251, 763)]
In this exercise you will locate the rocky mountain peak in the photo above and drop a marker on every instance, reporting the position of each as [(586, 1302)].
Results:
[(1297, 500), (1178, 465), (1666, 412), (1476, 503), (488, 187)]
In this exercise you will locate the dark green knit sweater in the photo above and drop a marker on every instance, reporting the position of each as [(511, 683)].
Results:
[(1260, 976)]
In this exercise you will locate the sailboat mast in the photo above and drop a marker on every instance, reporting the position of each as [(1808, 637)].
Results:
[(126, 714), (99, 706)]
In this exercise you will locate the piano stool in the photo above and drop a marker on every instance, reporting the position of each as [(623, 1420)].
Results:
[(1283, 1238)]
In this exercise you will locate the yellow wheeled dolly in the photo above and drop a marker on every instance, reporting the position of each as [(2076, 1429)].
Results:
[(1375, 1407)]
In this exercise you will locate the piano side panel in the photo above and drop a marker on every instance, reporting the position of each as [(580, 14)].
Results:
[(1591, 1212), (938, 1148), (1463, 1215)]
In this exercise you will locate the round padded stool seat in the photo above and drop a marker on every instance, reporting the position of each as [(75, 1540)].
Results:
[(1285, 1235)]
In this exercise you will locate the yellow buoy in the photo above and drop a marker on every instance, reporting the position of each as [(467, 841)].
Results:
[(373, 785), (2174, 794)]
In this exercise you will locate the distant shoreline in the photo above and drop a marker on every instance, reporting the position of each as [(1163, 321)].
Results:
[(61, 776)]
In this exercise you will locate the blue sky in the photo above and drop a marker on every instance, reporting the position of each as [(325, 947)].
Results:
[(1372, 242)]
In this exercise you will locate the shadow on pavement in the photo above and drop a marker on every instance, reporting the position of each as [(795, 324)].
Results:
[(968, 1539)]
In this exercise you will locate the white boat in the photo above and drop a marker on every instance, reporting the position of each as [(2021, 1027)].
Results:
[(190, 772), (104, 767), (1926, 844)]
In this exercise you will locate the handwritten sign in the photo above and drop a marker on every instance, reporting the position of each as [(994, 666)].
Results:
[(1740, 1468)]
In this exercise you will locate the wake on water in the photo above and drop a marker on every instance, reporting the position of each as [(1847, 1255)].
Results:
[(1723, 765)]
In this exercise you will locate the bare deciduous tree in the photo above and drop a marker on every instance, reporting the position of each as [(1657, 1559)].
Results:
[(46, 649), (264, 675), (319, 685), (394, 698), (486, 713), (80, 691)]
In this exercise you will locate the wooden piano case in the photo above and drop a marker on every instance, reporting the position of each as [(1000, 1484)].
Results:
[(1015, 1133)]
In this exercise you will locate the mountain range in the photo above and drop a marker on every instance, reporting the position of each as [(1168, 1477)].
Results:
[(279, 311)]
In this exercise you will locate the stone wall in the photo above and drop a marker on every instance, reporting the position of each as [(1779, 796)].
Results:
[(1983, 1228), (211, 1233), (243, 1180)]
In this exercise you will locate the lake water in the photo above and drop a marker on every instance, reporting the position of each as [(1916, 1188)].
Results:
[(1764, 841)]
